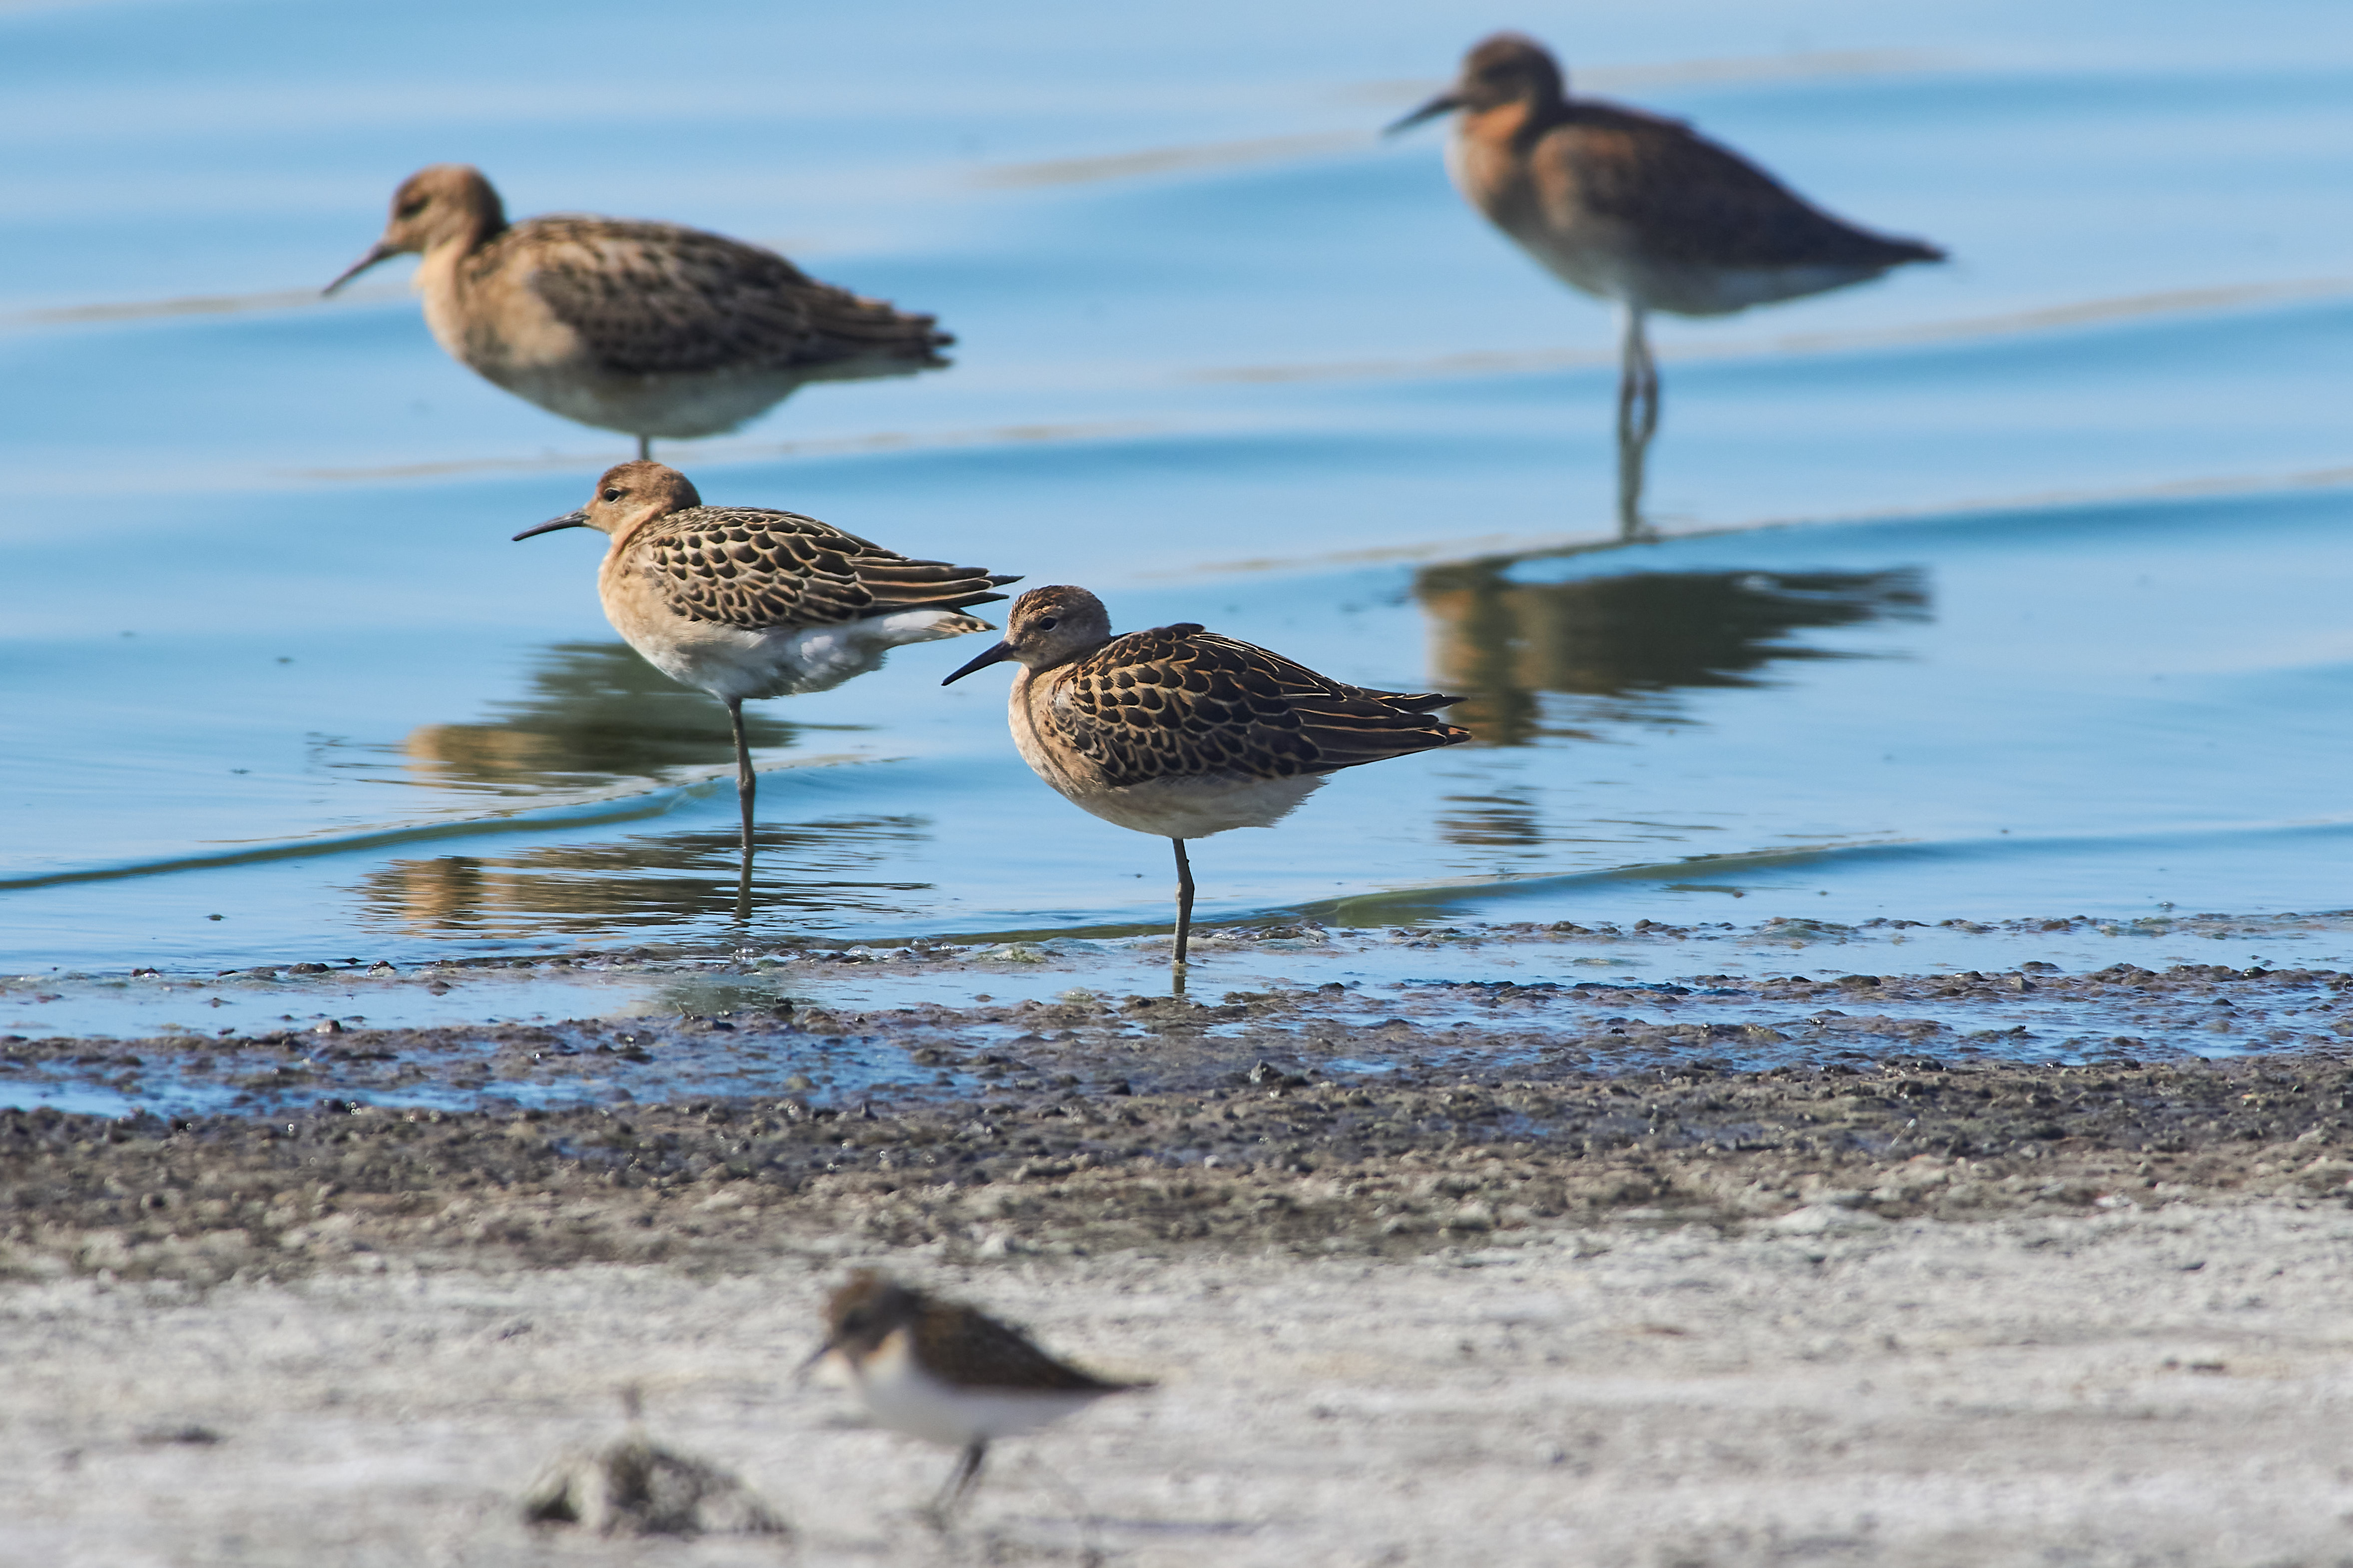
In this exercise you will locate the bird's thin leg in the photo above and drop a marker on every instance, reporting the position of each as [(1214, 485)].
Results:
[(1648, 424), (960, 1481), (1637, 418), (747, 784), (1184, 900), (645, 448)]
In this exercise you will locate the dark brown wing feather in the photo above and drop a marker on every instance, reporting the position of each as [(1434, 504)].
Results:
[(1178, 700), (741, 566), (655, 299), (1693, 200), (986, 1353)]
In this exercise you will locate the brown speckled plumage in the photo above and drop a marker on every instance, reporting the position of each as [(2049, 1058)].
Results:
[(1180, 733), (651, 328), (739, 566), (744, 603), (1179, 700), (655, 299)]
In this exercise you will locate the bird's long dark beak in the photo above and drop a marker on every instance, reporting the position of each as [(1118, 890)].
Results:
[(800, 1372), (569, 519), (1446, 102), (996, 655), (377, 252)]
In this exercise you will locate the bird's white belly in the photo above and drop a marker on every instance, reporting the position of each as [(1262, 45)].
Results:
[(733, 663), (675, 407), (1189, 805), (1196, 807), (901, 1395)]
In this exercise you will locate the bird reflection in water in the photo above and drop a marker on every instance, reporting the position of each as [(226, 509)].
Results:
[(1614, 646), (1628, 638), (596, 714), (669, 885)]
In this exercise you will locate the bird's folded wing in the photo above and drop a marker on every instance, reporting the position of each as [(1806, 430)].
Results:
[(1180, 701), (653, 299), (759, 570), (1689, 198), (993, 1355)]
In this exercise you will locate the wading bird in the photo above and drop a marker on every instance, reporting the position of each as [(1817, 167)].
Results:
[(1179, 732), (647, 328), (745, 602), (1639, 210)]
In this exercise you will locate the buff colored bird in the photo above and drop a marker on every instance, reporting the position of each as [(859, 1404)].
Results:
[(647, 328), (1639, 210), (746, 603)]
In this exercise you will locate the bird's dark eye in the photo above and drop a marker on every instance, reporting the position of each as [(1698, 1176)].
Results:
[(612, 495), (1047, 624), (410, 209)]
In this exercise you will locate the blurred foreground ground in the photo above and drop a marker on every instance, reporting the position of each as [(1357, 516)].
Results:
[(1933, 1312)]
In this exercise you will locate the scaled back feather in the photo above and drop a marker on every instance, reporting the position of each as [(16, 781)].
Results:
[(1179, 700), (753, 568)]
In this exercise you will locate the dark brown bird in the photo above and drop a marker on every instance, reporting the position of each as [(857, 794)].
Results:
[(948, 1373), (1639, 210), (1180, 733), (647, 328)]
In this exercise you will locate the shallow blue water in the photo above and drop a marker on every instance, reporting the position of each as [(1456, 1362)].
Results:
[(2057, 626)]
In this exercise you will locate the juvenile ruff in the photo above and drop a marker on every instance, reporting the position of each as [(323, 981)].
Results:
[(1180, 733), (947, 1373), (746, 603), (1638, 209), (647, 328)]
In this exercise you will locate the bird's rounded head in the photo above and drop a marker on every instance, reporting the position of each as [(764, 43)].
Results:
[(443, 204), (1048, 626), (1509, 67), (1501, 70), (629, 495), (866, 1310)]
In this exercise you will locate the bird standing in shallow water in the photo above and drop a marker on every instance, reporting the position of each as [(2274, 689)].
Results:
[(647, 328), (947, 1373), (1639, 210), (1180, 733), (745, 602)]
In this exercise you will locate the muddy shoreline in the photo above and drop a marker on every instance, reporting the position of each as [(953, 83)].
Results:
[(1561, 1282), (1095, 1123)]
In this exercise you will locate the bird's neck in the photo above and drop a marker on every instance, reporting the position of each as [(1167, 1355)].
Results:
[(445, 257), (626, 536), (1511, 125), (1069, 658)]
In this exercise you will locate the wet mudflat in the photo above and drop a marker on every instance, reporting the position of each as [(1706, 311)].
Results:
[(1729, 1271), (812, 1026), (1932, 1312), (1160, 1121)]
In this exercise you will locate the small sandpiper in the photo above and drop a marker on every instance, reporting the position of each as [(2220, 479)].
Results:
[(1639, 210), (647, 328), (948, 1373), (1180, 733), (745, 602)]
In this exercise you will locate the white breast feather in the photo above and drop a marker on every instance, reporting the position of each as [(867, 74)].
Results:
[(901, 1395)]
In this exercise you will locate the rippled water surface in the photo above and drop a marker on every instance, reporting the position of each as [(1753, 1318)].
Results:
[(2055, 622)]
